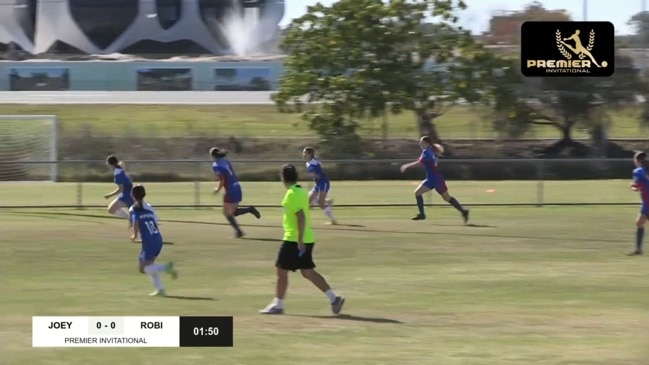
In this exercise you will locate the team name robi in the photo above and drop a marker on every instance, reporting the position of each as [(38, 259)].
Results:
[(559, 63)]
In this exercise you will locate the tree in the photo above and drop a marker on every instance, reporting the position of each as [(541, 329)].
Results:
[(505, 28), (640, 24), (365, 58), (564, 103)]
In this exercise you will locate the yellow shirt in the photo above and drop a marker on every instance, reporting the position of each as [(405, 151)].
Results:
[(296, 199)]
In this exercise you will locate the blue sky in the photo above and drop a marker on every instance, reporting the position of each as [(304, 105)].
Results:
[(476, 17)]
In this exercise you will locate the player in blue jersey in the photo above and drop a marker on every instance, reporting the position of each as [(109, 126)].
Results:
[(641, 184), (123, 191), (233, 193), (434, 179), (322, 184), (144, 223)]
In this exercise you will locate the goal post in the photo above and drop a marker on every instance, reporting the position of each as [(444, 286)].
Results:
[(28, 148)]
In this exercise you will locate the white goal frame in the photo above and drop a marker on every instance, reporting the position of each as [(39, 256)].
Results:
[(53, 140)]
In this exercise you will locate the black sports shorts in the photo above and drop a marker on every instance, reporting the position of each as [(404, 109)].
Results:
[(288, 257)]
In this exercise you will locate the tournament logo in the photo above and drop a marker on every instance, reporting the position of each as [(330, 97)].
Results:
[(567, 49)]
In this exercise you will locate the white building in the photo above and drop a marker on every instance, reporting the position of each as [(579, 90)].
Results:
[(111, 26)]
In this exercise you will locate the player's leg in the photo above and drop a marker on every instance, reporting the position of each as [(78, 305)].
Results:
[(422, 189), (324, 205), (245, 210), (313, 196), (639, 233), (229, 207), (442, 189), (116, 207), (287, 260), (149, 267), (307, 268)]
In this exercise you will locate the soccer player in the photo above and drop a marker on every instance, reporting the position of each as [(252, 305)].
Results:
[(322, 184), (434, 180), (123, 191), (296, 252), (233, 195), (144, 223), (641, 184)]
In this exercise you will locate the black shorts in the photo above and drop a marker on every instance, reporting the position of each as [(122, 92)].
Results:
[(288, 257)]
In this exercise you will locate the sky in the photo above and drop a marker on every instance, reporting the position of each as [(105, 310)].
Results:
[(476, 17)]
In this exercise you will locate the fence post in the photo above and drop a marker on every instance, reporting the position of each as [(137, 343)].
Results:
[(79, 195), (197, 186), (540, 189)]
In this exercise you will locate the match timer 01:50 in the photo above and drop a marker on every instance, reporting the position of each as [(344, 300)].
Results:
[(206, 331)]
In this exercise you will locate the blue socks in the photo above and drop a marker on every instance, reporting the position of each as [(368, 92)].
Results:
[(420, 204), (639, 234), (241, 211), (233, 223), (456, 205)]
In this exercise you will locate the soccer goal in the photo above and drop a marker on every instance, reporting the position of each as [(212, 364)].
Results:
[(28, 148)]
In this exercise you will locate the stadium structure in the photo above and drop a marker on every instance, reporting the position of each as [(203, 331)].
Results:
[(132, 26)]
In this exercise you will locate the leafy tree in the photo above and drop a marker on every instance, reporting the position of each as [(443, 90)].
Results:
[(365, 58), (640, 24), (563, 103)]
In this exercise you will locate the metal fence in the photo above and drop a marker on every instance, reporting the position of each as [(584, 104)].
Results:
[(188, 183)]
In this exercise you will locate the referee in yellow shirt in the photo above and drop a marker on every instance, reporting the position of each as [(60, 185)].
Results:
[(296, 252)]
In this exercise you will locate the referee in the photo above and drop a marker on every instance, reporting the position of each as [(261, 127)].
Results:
[(296, 252)]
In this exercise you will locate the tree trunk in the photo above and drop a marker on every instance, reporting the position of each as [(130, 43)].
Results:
[(426, 125)]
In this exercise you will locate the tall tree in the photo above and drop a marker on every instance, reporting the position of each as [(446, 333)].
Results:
[(564, 103), (365, 58), (640, 24)]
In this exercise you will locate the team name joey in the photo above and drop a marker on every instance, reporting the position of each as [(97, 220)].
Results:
[(60, 325), (151, 325)]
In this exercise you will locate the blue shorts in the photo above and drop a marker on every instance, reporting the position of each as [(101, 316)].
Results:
[(321, 187), (644, 210), (233, 195), (150, 251), (127, 199), (437, 184)]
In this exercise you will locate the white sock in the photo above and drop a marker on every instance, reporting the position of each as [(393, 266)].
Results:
[(155, 277), (279, 303), (154, 268), (121, 213), (331, 295), (328, 212)]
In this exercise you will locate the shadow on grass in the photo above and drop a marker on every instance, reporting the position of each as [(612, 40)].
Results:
[(349, 317), (181, 297), (261, 239)]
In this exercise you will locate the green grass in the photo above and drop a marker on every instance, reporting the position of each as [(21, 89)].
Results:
[(265, 121), (521, 286)]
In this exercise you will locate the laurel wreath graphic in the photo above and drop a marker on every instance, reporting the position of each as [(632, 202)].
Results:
[(568, 55), (591, 43), (563, 51)]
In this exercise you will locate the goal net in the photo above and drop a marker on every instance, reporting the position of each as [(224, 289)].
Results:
[(28, 148)]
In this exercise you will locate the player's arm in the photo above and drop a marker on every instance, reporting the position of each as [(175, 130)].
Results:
[(405, 167), (135, 226), (301, 220), (637, 179), (221, 181), (119, 189)]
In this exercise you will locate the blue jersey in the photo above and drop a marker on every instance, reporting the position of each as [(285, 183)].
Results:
[(641, 181), (315, 167), (147, 222), (120, 177), (225, 172), (428, 158)]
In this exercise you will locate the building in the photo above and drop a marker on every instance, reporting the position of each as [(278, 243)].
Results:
[(215, 27)]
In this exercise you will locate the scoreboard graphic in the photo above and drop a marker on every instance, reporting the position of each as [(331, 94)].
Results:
[(179, 331)]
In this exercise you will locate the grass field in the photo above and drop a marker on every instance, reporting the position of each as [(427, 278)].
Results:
[(265, 121), (519, 286)]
